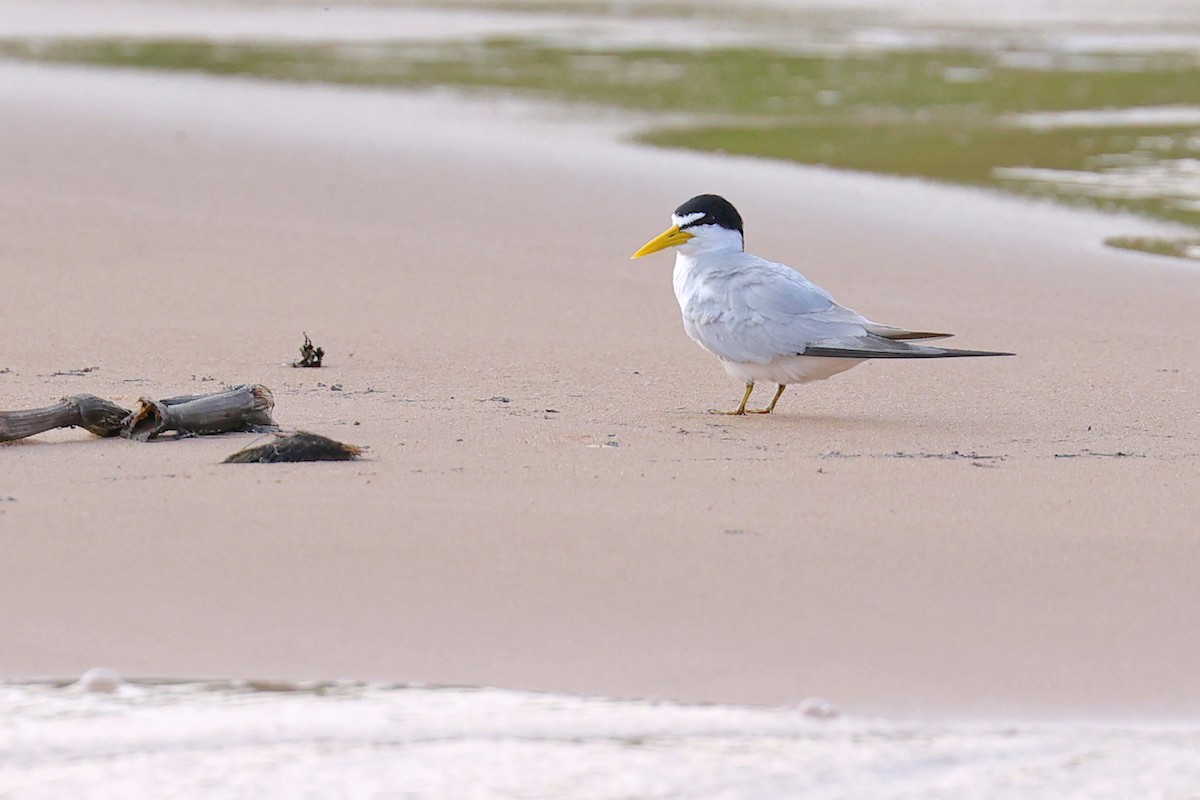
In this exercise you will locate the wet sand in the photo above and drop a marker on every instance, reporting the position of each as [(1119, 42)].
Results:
[(546, 505)]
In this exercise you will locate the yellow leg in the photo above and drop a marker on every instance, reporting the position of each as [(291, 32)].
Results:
[(740, 409), (774, 400)]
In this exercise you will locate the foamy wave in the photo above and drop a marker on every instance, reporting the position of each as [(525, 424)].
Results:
[(350, 740)]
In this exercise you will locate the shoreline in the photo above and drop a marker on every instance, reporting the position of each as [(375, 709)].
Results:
[(491, 542)]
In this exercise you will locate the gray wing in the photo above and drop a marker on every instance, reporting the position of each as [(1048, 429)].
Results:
[(756, 310)]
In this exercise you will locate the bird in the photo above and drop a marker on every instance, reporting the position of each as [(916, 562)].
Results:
[(765, 321)]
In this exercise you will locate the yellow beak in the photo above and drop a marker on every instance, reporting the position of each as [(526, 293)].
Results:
[(671, 237)]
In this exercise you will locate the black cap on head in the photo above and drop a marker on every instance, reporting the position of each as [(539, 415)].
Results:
[(716, 210)]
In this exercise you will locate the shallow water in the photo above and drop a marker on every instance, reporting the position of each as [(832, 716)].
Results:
[(1062, 25), (332, 740), (935, 92)]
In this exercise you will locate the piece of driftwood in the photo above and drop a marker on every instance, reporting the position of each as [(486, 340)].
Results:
[(298, 446), (242, 408), (309, 356), (94, 414)]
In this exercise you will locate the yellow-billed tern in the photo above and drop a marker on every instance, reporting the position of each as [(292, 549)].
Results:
[(766, 321)]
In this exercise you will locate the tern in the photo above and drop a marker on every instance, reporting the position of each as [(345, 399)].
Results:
[(765, 321)]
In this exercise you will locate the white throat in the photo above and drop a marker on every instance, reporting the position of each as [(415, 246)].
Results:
[(711, 239), (714, 249)]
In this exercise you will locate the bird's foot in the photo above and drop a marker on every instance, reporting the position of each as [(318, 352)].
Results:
[(741, 409), (774, 400), (740, 412)]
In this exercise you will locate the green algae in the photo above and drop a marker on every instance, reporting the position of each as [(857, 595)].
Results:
[(1175, 248)]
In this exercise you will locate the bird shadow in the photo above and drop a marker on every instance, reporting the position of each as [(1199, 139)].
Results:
[(798, 419)]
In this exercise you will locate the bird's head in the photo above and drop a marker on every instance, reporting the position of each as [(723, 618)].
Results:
[(705, 223)]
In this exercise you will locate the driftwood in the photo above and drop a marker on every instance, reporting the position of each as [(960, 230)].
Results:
[(242, 408), (93, 414), (298, 446)]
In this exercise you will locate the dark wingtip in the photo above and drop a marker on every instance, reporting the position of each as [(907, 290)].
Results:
[(976, 353), (914, 351)]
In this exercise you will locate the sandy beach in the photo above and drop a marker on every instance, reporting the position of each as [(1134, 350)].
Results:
[(546, 505)]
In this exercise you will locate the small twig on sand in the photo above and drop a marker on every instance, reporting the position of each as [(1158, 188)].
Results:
[(298, 446), (242, 408), (72, 373), (309, 356), (94, 414)]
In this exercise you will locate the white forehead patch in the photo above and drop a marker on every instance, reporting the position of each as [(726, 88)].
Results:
[(681, 221)]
